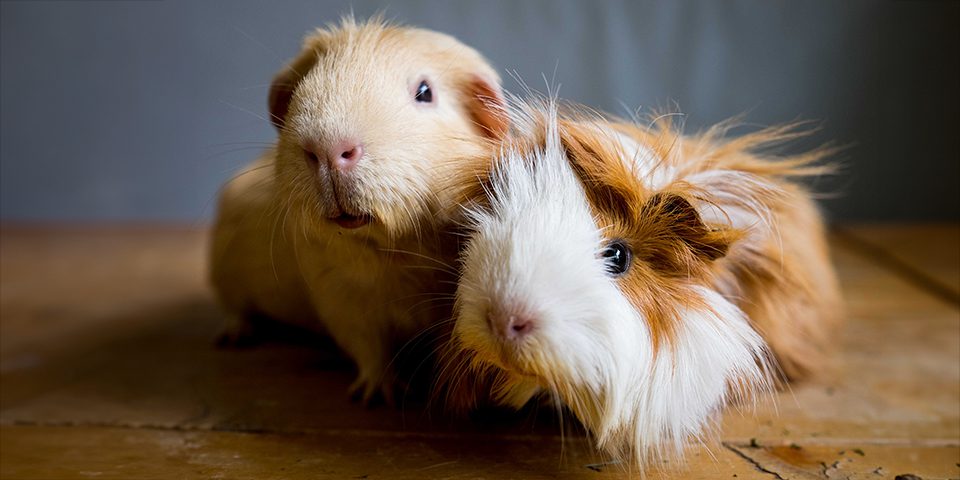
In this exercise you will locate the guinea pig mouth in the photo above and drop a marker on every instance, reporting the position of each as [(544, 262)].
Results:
[(342, 217), (346, 220), (508, 359)]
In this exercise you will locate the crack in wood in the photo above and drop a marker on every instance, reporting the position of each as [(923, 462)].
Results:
[(753, 462)]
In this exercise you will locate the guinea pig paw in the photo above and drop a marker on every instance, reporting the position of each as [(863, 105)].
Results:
[(239, 333), (372, 390)]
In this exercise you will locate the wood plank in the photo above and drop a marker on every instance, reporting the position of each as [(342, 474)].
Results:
[(927, 253), (114, 453), (61, 283), (850, 462), (106, 337)]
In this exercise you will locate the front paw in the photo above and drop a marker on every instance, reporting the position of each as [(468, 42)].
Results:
[(375, 389), (239, 332)]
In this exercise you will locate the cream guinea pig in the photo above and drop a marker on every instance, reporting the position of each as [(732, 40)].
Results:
[(338, 227), (642, 278)]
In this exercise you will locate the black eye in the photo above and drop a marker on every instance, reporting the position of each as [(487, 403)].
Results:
[(616, 257), (423, 93)]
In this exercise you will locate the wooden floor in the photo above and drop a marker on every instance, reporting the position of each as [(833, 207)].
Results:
[(108, 370)]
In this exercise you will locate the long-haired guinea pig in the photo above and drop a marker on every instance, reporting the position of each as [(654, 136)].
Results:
[(642, 278), (335, 228)]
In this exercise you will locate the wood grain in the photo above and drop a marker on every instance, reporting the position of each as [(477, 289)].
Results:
[(108, 370)]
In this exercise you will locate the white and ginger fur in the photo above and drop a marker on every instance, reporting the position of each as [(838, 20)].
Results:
[(277, 250), (729, 284)]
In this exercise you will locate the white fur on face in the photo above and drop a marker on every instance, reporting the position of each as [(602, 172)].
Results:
[(539, 231), (536, 250)]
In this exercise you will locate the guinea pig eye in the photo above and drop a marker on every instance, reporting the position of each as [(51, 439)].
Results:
[(616, 257), (423, 94)]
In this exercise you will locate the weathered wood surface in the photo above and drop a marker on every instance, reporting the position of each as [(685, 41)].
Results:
[(108, 370)]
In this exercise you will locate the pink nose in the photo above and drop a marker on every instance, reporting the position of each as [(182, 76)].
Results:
[(511, 326), (344, 155)]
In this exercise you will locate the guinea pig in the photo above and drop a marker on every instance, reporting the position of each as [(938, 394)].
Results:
[(640, 278), (337, 228)]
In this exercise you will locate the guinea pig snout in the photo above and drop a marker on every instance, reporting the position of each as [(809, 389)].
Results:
[(511, 325), (340, 156)]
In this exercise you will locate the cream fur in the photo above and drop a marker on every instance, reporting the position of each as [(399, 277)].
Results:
[(274, 251)]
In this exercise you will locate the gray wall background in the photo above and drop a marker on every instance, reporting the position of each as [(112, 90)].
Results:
[(139, 110)]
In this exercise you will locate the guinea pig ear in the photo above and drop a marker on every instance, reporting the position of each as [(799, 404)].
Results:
[(286, 81), (486, 105), (678, 237)]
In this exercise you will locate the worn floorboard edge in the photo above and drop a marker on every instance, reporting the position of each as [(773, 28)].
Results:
[(727, 442), (290, 432), (884, 260)]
